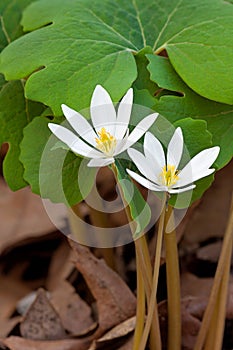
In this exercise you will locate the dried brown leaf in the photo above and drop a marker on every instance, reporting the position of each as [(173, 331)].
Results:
[(11, 290), (74, 312), (192, 285), (190, 322), (22, 216), (41, 321), (61, 266), (110, 338), (210, 252), (17, 343), (115, 301)]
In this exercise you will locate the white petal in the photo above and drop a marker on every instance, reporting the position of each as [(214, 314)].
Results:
[(143, 164), (142, 127), (144, 182), (102, 110), (198, 166), (100, 162), (154, 152), (73, 141), (188, 177), (180, 190), (123, 114), (65, 135), (80, 124), (121, 144), (175, 148), (139, 130)]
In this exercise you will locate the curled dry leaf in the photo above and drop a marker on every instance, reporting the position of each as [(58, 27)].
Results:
[(17, 343), (12, 288), (22, 216), (61, 266), (210, 252), (200, 288), (41, 321), (190, 320), (118, 332), (115, 301), (194, 286), (74, 312)]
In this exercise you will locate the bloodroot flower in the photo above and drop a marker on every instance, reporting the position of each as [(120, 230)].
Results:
[(109, 135), (162, 173)]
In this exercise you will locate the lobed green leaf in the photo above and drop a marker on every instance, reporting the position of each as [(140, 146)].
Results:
[(52, 172), (218, 116)]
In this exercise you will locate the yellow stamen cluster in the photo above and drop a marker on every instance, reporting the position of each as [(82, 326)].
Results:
[(169, 175), (106, 143)]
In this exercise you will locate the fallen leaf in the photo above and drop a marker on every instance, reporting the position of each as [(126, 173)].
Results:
[(74, 312), (41, 321), (22, 216), (115, 335), (61, 266), (115, 301), (190, 322), (210, 252), (17, 343), (12, 288), (192, 285)]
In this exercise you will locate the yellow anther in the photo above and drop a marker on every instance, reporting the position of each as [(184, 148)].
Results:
[(106, 143), (169, 175)]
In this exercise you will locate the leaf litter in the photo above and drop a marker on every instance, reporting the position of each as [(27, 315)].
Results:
[(86, 305)]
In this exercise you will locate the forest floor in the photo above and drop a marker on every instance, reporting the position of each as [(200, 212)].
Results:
[(59, 295)]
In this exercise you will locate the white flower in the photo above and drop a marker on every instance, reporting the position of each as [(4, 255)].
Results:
[(109, 135), (162, 173)]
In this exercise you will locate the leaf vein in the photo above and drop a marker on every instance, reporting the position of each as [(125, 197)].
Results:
[(4, 30), (166, 23), (112, 29), (186, 29), (139, 22)]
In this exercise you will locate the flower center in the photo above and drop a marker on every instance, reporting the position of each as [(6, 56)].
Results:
[(106, 143), (169, 175)]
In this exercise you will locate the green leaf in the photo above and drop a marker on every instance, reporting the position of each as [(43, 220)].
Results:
[(10, 17), (197, 36), (15, 114), (139, 209), (78, 51), (143, 81), (219, 116), (15, 111), (75, 45), (56, 174)]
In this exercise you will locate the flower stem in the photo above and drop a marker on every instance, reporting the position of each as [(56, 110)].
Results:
[(144, 264), (141, 309), (216, 329), (153, 301), (222, 303), (222, 269), (100, 219), (173, 283)]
